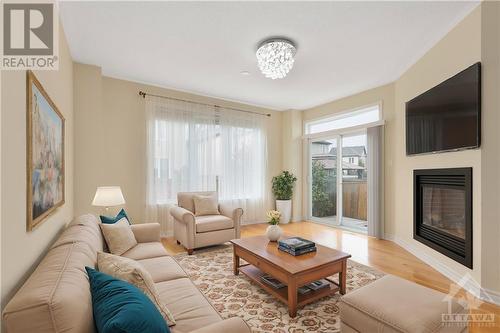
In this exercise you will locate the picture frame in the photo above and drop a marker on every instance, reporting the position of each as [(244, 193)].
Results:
[(45, 173)]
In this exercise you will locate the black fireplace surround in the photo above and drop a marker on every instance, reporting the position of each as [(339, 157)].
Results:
[(442, 211)]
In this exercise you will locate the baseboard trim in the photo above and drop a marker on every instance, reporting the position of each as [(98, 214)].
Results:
[(492, 295), (467, 282)]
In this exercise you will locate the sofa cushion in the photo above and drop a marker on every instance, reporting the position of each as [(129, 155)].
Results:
[(397, 305), (188, 305), (119, 236), (233, 325), (133, 272), (120, 307), (146, 251), (85, 229), (163, 268), (46, 302), (213, 223)]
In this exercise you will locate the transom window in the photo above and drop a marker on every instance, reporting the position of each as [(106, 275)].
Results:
[(363, 116)]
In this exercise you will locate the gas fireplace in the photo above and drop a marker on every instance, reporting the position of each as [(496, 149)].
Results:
[(443, 211)]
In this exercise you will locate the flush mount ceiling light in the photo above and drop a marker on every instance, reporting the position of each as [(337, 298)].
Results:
[(275, 57)]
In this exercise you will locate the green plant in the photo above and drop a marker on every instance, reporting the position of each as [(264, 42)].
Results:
[(322, 206), (283, 185)]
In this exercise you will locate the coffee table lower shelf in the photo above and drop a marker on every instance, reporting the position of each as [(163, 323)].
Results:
[(254, 274)]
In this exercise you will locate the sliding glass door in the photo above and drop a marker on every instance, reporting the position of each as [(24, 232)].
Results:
[(354, 182), (324, 181), (338, 181)]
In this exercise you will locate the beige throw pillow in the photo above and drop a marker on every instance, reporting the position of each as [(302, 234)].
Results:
[(132, 272), (118, 236), (205, 205)]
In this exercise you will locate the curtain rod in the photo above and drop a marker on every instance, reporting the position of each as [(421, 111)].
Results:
[(143, 94)]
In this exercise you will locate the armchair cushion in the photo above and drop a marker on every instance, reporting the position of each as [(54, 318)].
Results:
[(206, 205), (213, 223), (185, 199)]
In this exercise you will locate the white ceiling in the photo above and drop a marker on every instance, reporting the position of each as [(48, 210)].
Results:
[(201, 47)]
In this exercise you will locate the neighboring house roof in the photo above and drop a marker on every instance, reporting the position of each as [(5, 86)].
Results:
[(351, 166), (350, 151), (325, 143)]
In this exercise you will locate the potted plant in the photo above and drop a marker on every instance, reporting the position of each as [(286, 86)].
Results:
[(283, 191), (273, 231)]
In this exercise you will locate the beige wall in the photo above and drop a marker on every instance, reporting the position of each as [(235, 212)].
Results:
[(21, 250), (459, 49), (490, 155), (111, 138), (292, 158)]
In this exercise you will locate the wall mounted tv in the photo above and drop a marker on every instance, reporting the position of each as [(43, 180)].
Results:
[(446, 117)]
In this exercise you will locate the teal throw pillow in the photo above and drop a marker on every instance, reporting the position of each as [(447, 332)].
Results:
[(111, 220), (120, 307)]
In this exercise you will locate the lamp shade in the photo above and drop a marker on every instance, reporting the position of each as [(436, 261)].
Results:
[(108, 196)]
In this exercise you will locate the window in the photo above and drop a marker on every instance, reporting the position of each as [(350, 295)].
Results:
[(204, 155), (205, 149), (359, 117)]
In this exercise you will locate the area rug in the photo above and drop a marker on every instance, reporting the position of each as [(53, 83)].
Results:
[(211, 270)]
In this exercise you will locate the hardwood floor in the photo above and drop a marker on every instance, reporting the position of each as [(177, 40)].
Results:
[(383, 255)]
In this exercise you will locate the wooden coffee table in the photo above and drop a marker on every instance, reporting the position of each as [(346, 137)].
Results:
[(263, 257)]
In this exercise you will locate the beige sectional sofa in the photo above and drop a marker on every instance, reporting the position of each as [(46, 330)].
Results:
[(56, 297)]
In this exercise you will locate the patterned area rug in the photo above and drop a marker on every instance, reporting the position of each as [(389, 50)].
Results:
[(212, 272)]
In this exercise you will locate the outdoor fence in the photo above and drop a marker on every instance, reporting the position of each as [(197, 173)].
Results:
[(354, 200)]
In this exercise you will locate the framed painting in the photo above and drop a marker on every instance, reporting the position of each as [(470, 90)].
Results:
[(45, 154)]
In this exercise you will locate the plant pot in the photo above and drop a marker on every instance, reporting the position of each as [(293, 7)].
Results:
[(285, 208), (274, 232)]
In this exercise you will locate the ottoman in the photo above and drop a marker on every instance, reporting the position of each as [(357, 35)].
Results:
[(392, 304)]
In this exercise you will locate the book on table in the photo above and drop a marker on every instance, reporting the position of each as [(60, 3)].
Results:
[(297, 252), (273, 282), (319, 284), (296, 243), (277, 284)]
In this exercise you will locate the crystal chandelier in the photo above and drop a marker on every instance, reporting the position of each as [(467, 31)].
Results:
[(275, 57)]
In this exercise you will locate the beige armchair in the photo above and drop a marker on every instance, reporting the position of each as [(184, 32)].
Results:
[(198, 231)]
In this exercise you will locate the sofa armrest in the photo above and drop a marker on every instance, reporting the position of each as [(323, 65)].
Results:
[(233, 325), (233, 213), (146, 232)]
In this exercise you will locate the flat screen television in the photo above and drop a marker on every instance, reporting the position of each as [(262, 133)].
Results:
[(446, 117)]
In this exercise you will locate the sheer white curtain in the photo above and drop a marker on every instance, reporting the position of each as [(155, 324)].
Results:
[(242, 162), (190, 146)]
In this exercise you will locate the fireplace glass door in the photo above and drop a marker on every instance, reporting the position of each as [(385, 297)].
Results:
[(443, 211), (443, 208)]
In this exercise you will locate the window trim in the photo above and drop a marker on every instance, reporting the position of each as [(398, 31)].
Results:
[(342, 114)]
